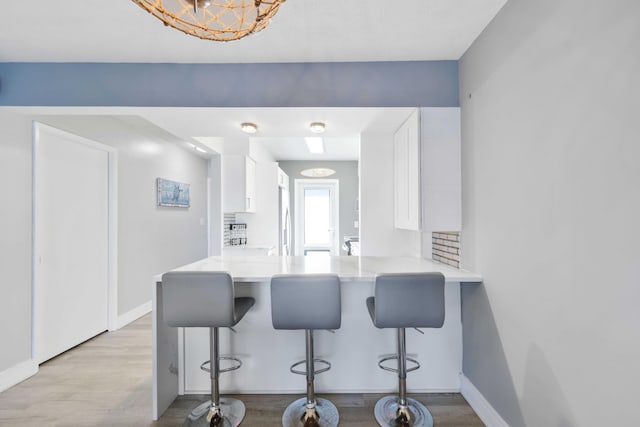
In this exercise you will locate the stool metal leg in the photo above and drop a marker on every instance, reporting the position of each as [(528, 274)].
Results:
[(310, 411), (217, 412), (311, 397), (401, 411)]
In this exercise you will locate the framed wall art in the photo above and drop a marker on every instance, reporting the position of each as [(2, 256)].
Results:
[(172, 193)]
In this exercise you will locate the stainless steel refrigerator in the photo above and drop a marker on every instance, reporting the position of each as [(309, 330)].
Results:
[(284, 245)]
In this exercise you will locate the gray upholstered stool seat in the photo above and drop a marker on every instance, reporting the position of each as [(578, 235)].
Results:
[(206, 299), (405, 301), (307, 302)]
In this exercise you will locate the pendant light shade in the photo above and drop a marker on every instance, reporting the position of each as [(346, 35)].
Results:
[(220, 20)]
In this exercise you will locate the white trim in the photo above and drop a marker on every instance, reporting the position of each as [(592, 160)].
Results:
[(133, 315), (112, 298), (18, 373), (480, 405)]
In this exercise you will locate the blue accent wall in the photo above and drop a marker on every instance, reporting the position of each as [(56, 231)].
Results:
[(342, 84)]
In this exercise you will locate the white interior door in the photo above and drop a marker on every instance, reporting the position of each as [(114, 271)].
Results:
[(71, 241), (317, 217)]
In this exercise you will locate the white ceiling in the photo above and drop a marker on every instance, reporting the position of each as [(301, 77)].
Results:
[(302, 31), (280, 130)]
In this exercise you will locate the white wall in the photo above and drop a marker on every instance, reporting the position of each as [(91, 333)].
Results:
[(551, 208), (215, 206), (378, 236), (15, 240), (440, 173)]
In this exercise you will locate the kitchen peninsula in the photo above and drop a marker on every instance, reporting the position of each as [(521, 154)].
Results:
[(353, 350)]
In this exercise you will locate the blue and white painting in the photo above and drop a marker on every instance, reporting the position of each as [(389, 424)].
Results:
[(173, 193)]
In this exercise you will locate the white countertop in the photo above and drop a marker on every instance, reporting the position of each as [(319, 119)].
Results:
[(349, 268)]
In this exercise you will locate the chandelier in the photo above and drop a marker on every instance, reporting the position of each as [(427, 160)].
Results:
[(221, 20)]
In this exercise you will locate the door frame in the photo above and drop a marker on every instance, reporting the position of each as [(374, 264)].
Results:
[(299, 186), (112, 238)]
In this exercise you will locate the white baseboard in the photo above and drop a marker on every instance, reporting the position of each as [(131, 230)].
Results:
[(132, 315), (480, 405), (18, 373)]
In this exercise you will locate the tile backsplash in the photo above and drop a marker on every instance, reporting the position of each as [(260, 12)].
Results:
[(234, 234), (229, 219), (445, 246)]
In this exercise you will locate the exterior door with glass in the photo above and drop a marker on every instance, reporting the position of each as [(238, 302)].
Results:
[(317, 216)]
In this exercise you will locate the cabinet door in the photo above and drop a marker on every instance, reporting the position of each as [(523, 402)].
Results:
[(250, 183), (407, 174), (283, 179), (239, 184)]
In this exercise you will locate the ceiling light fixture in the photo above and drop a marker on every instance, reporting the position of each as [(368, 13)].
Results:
[(198, 149), (317, 127), (317, 172), (219, 20), (315, 144), (249, 127)]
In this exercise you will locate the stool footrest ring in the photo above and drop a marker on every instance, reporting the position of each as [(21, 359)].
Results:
[(206, 366), (408, 359), (319, 371)]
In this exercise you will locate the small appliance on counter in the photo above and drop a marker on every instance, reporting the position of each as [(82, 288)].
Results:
[(237, 234)]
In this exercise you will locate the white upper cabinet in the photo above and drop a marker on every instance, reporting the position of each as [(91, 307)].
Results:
[(406, 161), (283, 179), (238, 184), (427, 171)]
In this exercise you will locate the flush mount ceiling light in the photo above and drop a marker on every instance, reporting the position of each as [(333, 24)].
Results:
[(317, 127), (317, 172), (220, 20), (315, 144), (249, 127)]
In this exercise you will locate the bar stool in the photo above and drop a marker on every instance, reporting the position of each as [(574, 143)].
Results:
[(307, 302), (206, 299), (405, 301)]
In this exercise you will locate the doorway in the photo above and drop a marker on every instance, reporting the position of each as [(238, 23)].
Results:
[(74, 240), (317, 217)]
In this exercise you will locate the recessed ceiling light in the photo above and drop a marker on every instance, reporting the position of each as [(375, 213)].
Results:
[(249, 127), (317, 127), (315, 144), (317, 172), (198, 149)]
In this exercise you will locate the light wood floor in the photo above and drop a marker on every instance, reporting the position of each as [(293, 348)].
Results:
[(107, 382)]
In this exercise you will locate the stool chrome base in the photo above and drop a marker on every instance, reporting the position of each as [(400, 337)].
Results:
[(232, 410), (388, 414), (327, 414)]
